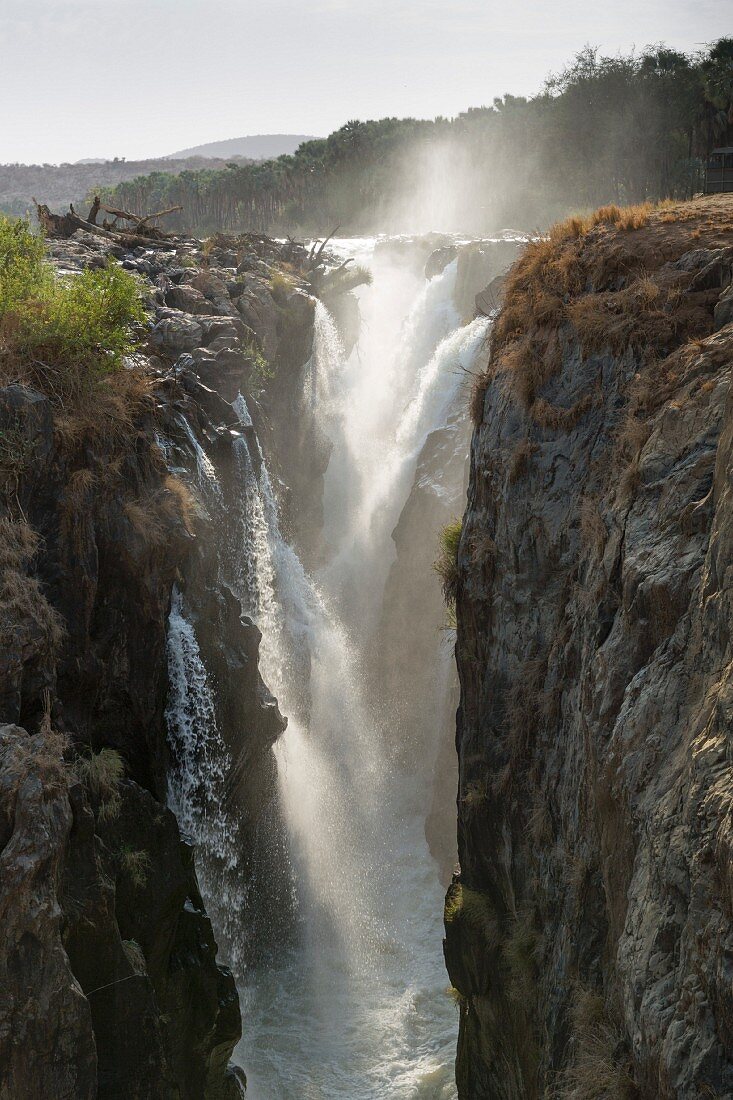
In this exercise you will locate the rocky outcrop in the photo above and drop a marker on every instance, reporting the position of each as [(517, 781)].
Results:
[(589, 931), (111, 982)]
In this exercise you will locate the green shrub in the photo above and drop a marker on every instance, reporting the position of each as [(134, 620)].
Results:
[(61, 333), (446, 564), (474, 910)]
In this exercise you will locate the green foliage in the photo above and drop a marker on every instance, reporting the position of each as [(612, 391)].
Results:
[(261, 371), (474, 910), (64, 333), (606, 129), (446, 564)]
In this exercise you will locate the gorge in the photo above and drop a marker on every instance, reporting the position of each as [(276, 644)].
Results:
[(229, 686)]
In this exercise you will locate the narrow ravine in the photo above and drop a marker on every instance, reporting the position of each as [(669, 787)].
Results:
[(354, 1004)]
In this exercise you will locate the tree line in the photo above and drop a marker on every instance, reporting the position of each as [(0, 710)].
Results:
[(619, 129)]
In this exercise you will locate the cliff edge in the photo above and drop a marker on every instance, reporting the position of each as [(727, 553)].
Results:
[(590, 929)]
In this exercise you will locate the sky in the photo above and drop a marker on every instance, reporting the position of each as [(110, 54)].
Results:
[(142, 78)]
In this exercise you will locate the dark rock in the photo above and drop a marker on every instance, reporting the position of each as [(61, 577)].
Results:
[(439, 260), (46, 1041), (187, 299), (724, 308), (176, 332)]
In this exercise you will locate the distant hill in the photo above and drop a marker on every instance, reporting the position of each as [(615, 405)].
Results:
[(59, 184), (254, 147)]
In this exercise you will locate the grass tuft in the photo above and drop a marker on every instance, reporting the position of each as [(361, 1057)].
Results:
[(102, 772), (446, 564), (135, 864)]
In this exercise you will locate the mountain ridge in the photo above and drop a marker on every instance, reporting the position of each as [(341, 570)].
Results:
[(253, 146)]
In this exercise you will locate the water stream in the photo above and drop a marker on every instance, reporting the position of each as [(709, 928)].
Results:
[(356, 1006)]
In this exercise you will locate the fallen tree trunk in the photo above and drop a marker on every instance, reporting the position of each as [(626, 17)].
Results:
[(64, 225)]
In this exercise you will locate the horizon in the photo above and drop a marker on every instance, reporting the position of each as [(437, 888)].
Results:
[(484, 52)]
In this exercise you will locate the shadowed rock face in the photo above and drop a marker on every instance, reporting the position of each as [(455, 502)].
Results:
[(108, 962), (589, 932)]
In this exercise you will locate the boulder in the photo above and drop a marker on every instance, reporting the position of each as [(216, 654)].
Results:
[(176, 332), (187, 299), (439, 260), (215, 291)]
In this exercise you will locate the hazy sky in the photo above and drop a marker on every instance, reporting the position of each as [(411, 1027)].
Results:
[(137, 78)]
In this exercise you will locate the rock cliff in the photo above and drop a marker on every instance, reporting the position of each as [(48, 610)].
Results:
[(111, 984), (590, 929)]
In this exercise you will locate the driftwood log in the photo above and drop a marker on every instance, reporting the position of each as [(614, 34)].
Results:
[(139, 234)]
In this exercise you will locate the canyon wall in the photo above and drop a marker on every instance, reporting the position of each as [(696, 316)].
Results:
[(589, 931), (111, 982)]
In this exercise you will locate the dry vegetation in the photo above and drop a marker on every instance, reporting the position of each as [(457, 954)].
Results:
[(600, 1066), (23, 605), (599, 282), (102, 772)]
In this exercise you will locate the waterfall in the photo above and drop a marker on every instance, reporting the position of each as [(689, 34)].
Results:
[(324, 368), (355, 1008), (200, 763)]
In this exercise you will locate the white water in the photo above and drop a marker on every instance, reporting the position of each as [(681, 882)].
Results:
[(356, 1008), (197, 782)]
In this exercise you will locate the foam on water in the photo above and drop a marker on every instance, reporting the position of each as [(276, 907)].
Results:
[(358, 1007), (355, 1007)]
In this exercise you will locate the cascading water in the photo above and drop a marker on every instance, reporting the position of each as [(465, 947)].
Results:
[(198, 778), (356, 1006)]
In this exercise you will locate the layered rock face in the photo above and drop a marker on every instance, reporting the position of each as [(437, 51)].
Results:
[(111, 984), (590, 930)]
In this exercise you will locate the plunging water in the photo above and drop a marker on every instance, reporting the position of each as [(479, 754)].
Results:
[(357, 1006)]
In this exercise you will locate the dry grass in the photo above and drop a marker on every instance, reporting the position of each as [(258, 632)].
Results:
[(135, 956), (474, 910), (547, 294), (110, 416), (42, 756), (632, 436), (479, 386), (524, 706), (558, 419), (520, 460), (75, 506), (135, 865), (22, 602), (476, 794), (519, 953), (539, 821), (146, 519), (592, 528), (601, 1068), (102, 772), (482, 548), (185, 505), (456, 996)]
